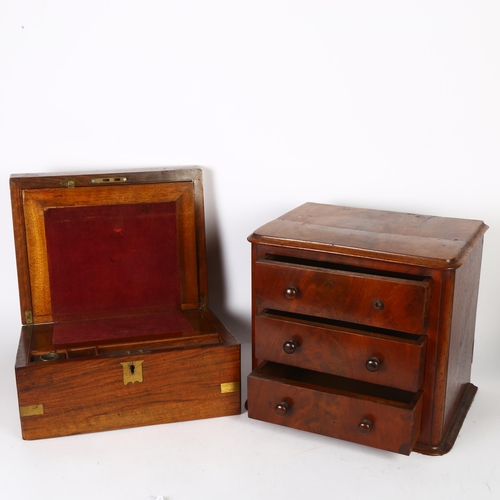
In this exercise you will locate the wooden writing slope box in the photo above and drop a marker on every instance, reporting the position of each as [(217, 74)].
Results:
[(363, 325), (113, 287)]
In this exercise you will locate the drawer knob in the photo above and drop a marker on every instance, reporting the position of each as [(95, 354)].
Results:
[(289, 346), (282, 408), (365, 426), (373, 364), (291, 292), (378, 305)]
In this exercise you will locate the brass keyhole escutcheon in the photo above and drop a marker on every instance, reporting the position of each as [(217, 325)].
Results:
[(132, 372)]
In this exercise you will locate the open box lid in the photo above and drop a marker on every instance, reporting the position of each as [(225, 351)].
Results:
[(98, 245)]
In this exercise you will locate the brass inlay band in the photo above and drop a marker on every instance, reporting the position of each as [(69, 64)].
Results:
[(229, 387), (29, 411)]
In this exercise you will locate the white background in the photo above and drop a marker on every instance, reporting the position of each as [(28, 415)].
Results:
[(377, 104)]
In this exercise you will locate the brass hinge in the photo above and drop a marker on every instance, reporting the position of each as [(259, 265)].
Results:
[(203, 302), (28, 315)]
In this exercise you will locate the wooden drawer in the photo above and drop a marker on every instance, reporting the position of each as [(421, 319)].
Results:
[(395, 303), (367, 356), (384, 418)]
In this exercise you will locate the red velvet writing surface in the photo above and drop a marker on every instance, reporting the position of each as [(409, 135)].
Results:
[(112, 261)]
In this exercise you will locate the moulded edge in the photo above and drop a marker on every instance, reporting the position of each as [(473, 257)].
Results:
[(447, 443)]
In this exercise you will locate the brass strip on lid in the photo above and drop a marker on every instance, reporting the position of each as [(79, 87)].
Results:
[(108, 180)]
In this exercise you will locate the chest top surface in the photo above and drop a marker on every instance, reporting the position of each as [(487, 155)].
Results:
[(438, 242)]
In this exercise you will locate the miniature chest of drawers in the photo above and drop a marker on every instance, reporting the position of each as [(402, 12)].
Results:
[(363, 325)]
